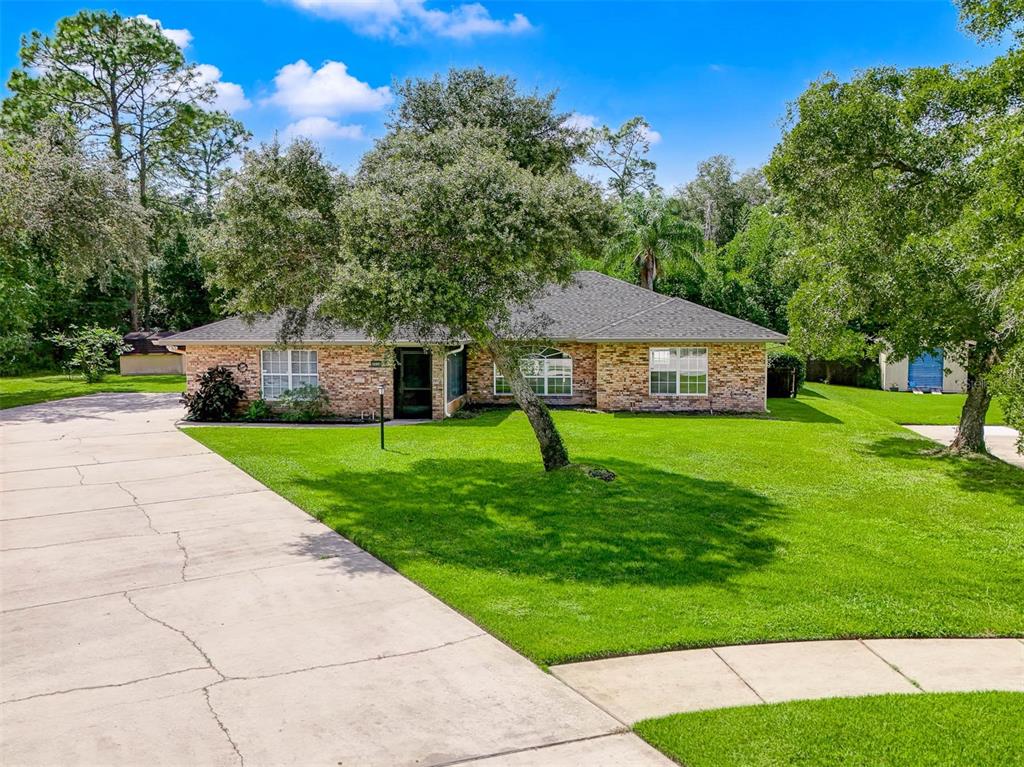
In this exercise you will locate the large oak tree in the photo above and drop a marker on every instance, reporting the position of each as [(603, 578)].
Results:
[(454, 224), (885, 178)]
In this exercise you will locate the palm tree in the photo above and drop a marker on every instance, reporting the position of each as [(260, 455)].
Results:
[(653, 234)]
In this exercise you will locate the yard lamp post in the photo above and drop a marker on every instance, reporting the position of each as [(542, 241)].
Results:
[(380, 391)]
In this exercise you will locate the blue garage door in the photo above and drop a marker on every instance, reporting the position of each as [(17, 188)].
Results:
[(925, 372)]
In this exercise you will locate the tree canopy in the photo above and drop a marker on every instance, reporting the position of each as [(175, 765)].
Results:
[(904, 190), (467, 209)]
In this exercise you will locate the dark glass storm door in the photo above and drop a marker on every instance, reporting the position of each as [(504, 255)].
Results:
[(412, 383)]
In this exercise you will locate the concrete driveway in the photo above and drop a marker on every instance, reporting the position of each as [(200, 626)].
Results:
[(1001, 441), (161, 607)]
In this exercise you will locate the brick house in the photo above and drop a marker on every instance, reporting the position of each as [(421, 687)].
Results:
[(607, 344)]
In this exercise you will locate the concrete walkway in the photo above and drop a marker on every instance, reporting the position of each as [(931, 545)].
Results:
[(1001, 441), (644, 686), (161, 607)]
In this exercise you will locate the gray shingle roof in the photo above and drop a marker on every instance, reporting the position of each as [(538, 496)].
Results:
[(594, 307)]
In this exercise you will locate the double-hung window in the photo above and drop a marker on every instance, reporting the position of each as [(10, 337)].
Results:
[(284, 369), (679, 371), (547, 371)]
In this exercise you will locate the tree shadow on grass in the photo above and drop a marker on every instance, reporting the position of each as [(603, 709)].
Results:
[(648, 527), (976, 475), (801, 412)]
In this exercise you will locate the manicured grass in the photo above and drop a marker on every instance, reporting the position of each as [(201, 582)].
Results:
[(826, 521), (43, 387), (904, 407), (975, 729)]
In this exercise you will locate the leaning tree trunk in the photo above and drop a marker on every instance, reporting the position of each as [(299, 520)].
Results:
[(970, 434), (552, 449)]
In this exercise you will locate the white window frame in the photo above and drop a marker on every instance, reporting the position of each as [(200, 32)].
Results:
[(537, 356), (674, 367), (291, 370)]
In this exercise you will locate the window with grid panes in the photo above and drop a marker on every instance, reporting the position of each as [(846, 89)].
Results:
[(547, 371), (284, 369), (681, 370)]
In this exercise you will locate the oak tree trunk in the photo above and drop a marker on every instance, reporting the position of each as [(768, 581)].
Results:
[(970, 434), (552, 449)]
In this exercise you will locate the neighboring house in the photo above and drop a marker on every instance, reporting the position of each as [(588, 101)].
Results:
[(932, 371), (608, 345), (146, 357)]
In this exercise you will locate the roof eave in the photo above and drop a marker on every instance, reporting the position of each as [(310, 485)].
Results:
[(174, 341)]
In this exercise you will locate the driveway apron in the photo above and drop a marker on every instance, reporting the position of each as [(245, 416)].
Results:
[(161, 607)]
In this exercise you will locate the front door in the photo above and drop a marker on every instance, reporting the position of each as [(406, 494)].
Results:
[(412, 384)]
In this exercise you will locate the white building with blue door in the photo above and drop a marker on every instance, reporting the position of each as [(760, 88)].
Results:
[(933, 371)]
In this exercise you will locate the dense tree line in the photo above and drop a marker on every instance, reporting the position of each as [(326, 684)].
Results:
[(889, 215), (110, 163)]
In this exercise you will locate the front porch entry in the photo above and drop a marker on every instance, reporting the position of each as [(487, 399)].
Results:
[(412, 383)]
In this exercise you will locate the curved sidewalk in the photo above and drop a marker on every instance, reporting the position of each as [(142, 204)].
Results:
[(638, 687)]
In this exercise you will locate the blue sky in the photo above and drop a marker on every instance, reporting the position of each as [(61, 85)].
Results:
[(709, 77)]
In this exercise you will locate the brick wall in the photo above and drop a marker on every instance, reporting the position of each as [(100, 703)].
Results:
[(736, 379), (437, 392), (480, 377), (345, 374), (606, 376)]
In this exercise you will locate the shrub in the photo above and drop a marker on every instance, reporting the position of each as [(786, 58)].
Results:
[(303, 404), (258, 410), (782, 364), (217, 397), (870, 377), (92, 350)]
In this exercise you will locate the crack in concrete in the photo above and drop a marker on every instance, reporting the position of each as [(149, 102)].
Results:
[(155, 585), (186, 637), (86, 688), (121, 506), (140, 507), (184, 553), (525, 749), (340, 664), (221, 725), (83, 540), (161, 478)]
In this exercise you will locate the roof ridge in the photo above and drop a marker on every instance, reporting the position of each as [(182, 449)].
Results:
[(634, 315), (732, 317), (673, 298)]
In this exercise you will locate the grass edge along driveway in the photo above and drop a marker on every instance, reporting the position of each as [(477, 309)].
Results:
[(46, 387), (824, 521), (981, 729)]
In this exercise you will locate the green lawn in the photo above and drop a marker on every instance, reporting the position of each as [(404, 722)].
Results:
[(903, 407), (826, 521), (43, 387), (977, 729)]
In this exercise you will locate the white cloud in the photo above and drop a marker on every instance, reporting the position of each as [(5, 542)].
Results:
[(398, 18), (180, 37), (229, 97), (580, 122), (652, 136), (330, 90), (323, 129)]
